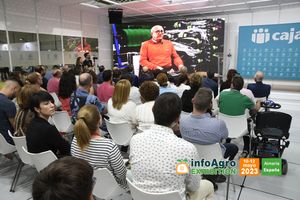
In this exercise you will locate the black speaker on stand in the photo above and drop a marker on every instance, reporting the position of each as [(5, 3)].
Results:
[(115, 15)]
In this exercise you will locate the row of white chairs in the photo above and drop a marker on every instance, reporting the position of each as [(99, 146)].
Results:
[(37, 160)]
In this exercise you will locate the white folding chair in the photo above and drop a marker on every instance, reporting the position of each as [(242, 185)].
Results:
[(138, 194), (57, 102), (210, 152), (41, 160), (24, 158), (236, 125), (62, 121), (5, 147), (106, 186), (120, 132)]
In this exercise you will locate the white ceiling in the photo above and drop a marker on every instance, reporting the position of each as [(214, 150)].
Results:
[(157, 9)]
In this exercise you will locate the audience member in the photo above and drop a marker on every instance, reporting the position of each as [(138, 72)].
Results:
[(53, 83), (90, 146), (82, 97), (134, 94), (149, 92), (116, 74), (67, 178), (87, 62), (7, 107), (134, 78), (119, 107), (78, 65), (67, 86), (154, 152), (42, 136), (201, 128), (164, 86), (182, 82), (42, 70), (99, 75), (227, 83), (234, 103), (187, 95), (35, 78), (24, 114), (258, 88), (208, 82), (106, 89)]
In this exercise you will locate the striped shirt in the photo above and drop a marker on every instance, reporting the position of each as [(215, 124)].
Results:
[(102, 153)]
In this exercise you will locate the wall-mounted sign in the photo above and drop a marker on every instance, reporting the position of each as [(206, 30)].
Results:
[(273, 49)]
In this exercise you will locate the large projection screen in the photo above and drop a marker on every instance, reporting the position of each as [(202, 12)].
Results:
[(199, 42)]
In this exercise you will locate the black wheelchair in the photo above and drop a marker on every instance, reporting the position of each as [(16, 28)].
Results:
[(272, 133)]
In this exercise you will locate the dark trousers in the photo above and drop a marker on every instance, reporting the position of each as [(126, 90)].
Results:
[(231, 151)]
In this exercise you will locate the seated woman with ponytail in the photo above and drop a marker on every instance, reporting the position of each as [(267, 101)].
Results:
[(90, 146)]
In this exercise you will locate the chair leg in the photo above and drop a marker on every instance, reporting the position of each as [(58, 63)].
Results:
[(227, 189), (16, 177), (232, 183)]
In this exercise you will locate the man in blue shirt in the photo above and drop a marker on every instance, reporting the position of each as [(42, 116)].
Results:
[(7, 108), (81, 96), (201, 128), (259, 89)]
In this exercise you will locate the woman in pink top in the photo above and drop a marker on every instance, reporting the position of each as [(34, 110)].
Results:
[(106, 89)]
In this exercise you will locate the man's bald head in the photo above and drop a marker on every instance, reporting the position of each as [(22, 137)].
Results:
[(85, 79), (259, 76), (157, 33), (11, 88)]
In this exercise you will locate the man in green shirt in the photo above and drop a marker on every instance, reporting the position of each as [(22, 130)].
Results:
[(234, 103)]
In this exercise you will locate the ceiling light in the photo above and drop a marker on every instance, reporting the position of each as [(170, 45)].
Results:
[(231, 4), (258, 1), (89, 5)]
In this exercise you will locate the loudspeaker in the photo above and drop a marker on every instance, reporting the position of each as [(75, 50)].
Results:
[(115, 15)]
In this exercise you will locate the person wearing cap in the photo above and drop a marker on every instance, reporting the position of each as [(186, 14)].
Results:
[(53, 83), (157, 53)]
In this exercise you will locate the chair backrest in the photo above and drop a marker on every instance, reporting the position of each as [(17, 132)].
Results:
[(138, 194), (273, 119), (210, 151), (120, 132), (56, 100), (5, 147), (62, 121), (106, 186), (236, 125), (19, 143), (41, 160)]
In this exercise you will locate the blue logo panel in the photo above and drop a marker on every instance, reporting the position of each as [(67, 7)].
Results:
[(273, 49)]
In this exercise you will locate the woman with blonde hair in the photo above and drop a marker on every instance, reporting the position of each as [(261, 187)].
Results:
[(119, 107), (88, 144), (24, 114), (35, 78)]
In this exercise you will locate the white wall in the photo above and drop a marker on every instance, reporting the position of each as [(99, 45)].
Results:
[(287, 14), (44, 17)]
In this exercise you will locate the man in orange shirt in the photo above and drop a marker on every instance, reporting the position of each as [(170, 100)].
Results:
[(157, 53)]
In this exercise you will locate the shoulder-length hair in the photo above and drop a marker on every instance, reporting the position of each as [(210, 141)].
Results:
[(121, 94)]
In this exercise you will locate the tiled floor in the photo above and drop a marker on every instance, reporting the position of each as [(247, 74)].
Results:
[(257, 188)]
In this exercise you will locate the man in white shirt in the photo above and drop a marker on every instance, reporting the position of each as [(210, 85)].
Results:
[(154, 152)]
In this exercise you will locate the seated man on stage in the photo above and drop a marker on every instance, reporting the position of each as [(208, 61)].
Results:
[(157, 53)]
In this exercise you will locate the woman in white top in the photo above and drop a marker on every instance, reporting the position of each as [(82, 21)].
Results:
[(149, 91), (119, 107), (90, 146)]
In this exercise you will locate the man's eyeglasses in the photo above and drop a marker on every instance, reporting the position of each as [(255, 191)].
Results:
[(159, 31)]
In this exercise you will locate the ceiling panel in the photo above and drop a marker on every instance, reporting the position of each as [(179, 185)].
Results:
[(171, 8)]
